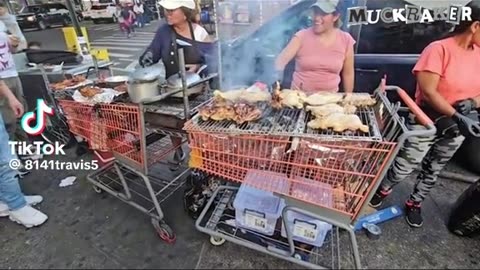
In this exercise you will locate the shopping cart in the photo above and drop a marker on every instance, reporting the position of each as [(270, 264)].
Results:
[(329, 177), (139, 155)]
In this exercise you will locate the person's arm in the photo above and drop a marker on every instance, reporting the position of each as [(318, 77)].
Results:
[(15, 105), (288, 54), (348, 71), (428, 82)]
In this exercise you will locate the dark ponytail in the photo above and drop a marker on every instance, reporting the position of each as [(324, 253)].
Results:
[(464, 25)]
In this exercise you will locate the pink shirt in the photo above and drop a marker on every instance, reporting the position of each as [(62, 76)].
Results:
[(457, 67), (318, 67)]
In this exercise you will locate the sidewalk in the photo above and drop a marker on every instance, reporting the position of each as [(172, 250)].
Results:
[(90, 230)]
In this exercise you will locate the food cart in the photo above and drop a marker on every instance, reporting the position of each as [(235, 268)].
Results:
[(36, 82), (298, 178), (144, 135)]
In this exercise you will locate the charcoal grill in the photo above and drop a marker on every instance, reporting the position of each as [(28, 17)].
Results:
[(168, 116)]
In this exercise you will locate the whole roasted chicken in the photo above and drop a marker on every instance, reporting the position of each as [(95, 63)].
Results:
[(339, 122), (325, 110), (287, 98)]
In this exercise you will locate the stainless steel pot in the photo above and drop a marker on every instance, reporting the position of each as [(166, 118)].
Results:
[(143, 83), (191, 78)]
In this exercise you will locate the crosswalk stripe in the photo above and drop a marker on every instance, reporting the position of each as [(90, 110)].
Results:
[(107, 27), (123, 39), (120, 55), (101, 44), (111, 48)]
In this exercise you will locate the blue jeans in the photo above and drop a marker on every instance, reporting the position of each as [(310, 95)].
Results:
[(141, 20), (10, 192)]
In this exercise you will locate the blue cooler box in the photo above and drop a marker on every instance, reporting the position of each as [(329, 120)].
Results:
[(304, 228), (259, 210)]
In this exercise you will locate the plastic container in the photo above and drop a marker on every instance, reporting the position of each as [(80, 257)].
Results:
[(256, 209), (304, 228)]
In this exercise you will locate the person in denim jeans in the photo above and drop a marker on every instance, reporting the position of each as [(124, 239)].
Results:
[(12, 201)]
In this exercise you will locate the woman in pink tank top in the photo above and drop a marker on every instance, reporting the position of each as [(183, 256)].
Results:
[(323, 53)]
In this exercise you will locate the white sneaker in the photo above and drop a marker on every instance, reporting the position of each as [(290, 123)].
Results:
[(28, 216), (31, 200)]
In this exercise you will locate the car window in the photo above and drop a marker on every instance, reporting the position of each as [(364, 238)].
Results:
[(398, 37), (32, 9), (99, 7)]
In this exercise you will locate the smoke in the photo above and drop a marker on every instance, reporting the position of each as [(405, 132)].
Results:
[(251, 56)]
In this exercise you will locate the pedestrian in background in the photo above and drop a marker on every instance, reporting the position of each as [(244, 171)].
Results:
[(13, 202), (125, 19), (138, 8), (12, 40), (11, 26)]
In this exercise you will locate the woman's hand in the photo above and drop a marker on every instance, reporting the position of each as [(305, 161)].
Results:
[(287, 54), (16, 106), (13, 40)]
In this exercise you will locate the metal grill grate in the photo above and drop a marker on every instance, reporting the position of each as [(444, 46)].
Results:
[(283, 122), (367, 116), (175, 107)]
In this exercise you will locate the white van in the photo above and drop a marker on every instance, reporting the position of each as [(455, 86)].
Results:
[(102, 12)]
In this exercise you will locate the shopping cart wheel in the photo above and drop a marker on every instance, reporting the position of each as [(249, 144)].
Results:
[(97, 189), (164, 231), (217, 241)]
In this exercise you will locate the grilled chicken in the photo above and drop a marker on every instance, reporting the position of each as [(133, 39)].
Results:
[(288, 98), (324, 110), (324, 98), (242, 96), (240, 113), (359, 99), (339, 122)]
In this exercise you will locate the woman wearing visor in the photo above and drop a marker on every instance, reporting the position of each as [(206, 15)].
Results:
[(323, 53), (448, 90), (180, 16)]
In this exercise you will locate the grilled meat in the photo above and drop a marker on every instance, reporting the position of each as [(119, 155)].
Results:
[(325, 110), (240, 112), (339, 122), (244, 95), (90, 91), (359, 99), (323, 98), (67, 83), (288, 98)]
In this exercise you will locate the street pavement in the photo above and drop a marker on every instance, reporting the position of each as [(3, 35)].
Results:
[(123, 52)]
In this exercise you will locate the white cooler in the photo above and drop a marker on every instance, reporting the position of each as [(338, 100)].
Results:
[(259, 210), (304, 228)]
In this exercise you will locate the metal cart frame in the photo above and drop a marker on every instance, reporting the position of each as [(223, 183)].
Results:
[(122, 130), (394, 130)]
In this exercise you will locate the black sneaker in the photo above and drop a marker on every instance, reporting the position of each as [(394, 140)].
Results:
[(378, 197), (413, 214)]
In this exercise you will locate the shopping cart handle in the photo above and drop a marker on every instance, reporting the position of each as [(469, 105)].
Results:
[(422, 118)]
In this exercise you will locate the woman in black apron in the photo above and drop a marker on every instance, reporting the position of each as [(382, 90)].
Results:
[(180, 16)]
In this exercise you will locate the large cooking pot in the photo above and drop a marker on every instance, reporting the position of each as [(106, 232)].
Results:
[(192, 80), (143, 83)]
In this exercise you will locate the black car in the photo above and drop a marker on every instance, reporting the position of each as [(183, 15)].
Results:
[(381, 50), (44, 16)]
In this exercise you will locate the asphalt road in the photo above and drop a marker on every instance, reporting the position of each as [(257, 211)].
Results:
[(124, 52)]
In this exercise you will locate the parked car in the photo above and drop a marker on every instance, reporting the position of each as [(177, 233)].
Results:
[(381, 49), (103, 13), (43, 16)]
